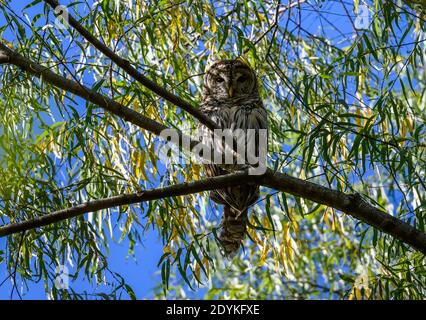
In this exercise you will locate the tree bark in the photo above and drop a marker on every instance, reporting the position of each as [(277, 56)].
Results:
[(351, 204), (127, 199)]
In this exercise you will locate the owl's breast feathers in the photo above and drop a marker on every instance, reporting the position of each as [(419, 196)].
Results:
[(236, 113)]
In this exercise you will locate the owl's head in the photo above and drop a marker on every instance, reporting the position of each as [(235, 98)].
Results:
[(226, 79)]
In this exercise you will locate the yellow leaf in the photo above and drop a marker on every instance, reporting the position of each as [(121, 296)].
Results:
[(264, 253), (262, 17), (205, 262), (213, 27), (112, 29), (409, 123), (404, 129), (358, 112), (284, 259), (356, 2), (358, 294), (197, 271), (152, 112), (196, 171), (141, 164), (294, 222), (326, 218), (302, 174), (253, 234), (166, 249), (159, 221), (211, 15)]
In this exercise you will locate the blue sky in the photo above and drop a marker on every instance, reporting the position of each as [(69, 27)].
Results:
[(139, 271)]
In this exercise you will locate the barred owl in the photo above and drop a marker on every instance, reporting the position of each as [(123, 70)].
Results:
[(232, 101)]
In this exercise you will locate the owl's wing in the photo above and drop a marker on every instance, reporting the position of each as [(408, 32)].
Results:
[(252, 118), (220, 116)]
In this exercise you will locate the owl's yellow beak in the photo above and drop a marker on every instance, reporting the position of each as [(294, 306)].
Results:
[(231, 91)]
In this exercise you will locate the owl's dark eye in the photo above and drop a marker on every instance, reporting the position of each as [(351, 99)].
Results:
[(219, 79), (242, 79)]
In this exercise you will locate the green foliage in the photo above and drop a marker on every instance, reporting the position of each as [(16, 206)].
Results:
[(346, 108)]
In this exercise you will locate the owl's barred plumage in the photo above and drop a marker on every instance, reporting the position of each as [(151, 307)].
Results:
[(231, 99)]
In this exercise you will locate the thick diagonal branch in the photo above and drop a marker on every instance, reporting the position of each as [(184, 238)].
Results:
[(126, 199), (8, 55), (126, 66), (351, 204)]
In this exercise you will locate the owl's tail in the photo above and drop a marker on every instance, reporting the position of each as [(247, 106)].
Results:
[(234, 224)]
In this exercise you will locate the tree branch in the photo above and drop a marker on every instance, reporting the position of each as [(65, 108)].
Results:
[(125, 65), (351, 204), (278, 12), (8, 55), (3, 58), (79, 90), (126, 199), (421, 3)]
